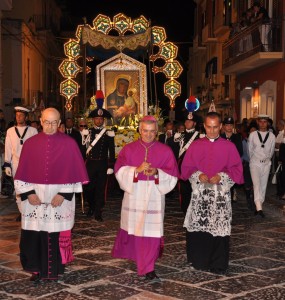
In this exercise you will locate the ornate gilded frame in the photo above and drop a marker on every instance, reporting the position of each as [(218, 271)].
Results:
[(122, 65)]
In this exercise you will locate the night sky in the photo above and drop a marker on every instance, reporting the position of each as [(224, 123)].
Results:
[(175, 16)]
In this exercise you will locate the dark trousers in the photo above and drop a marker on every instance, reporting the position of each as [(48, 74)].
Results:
[(281, 181), (207, 252), (185, 191), (39, 252), (94, 191)]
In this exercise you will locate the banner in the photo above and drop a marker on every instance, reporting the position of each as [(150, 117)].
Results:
[(107, 42)]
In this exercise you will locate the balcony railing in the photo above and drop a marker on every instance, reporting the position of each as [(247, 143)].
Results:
[(253, 39)]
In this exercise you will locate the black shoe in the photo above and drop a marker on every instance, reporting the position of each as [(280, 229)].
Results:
[(151, 276), (90, 212), (99, 218), (260, 213), (35, 278), (19, 218)]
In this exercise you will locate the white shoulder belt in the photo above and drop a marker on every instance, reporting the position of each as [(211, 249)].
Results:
[(188, 144), (95, 140)]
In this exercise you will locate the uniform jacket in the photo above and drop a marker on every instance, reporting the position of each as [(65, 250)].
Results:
[(104, 149)]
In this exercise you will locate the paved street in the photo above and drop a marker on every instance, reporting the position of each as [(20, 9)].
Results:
[(257, 259)]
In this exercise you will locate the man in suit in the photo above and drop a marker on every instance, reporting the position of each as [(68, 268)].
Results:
[(72, 132), (168, 137)]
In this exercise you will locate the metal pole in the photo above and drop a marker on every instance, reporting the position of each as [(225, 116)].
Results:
[(84, 78), (82, 203)]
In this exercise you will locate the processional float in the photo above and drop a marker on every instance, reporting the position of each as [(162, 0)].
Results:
[(116, 42)]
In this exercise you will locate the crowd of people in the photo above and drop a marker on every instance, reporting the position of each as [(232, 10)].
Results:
[(205, 161), (261, 36)]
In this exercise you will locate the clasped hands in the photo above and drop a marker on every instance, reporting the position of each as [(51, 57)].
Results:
[(146, 168), (213, 180), (55, 202)]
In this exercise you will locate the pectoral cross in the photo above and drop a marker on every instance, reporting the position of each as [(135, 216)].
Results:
[(145, 156), (145, 159)]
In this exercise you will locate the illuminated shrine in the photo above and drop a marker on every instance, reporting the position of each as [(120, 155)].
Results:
[(132, 35)]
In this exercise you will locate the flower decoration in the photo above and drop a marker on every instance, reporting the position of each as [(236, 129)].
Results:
[(157, 113), (123, 137)]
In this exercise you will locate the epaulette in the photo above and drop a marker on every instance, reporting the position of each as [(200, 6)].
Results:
[(110, 133)]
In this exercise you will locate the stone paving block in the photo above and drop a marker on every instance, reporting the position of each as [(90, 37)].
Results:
[(99, 257), (178, 248), (4, 296), (191, 276), (179, 291), (178, 261), (109, 291), (96, 272), (125, 264), (236, 285), (277, 276), (174, 238), (250, 250), (261, 263), (26, 287), (87, 243), (10, 275), (65, 295), (272, 293), (276, 255)]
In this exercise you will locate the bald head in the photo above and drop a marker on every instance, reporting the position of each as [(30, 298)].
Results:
[(51, 111), (50, 120)]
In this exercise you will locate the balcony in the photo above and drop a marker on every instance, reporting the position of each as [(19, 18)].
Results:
[(253, 47)]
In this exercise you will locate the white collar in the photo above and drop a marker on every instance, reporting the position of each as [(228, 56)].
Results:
[(212, 140)]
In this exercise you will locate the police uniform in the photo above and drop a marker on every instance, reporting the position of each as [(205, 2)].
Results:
[(235, 138), (100, 158), (185, 189)]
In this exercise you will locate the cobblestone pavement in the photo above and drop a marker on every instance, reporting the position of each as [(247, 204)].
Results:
[(257, 259)]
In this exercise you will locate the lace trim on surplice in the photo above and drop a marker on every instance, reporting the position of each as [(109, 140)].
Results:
[(210, 206)]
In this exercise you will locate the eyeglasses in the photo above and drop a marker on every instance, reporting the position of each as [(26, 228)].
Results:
[(52, 123), (83, 126)]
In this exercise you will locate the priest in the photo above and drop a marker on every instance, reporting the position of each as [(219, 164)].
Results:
[(146, 170), (51, 170), (212, 165)]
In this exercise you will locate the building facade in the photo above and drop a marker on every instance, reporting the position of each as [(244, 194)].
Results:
[(30, 55), (238, 68)]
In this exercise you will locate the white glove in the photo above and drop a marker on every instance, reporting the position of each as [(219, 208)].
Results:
[(110, 171), (8, 171), (177, 135)]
